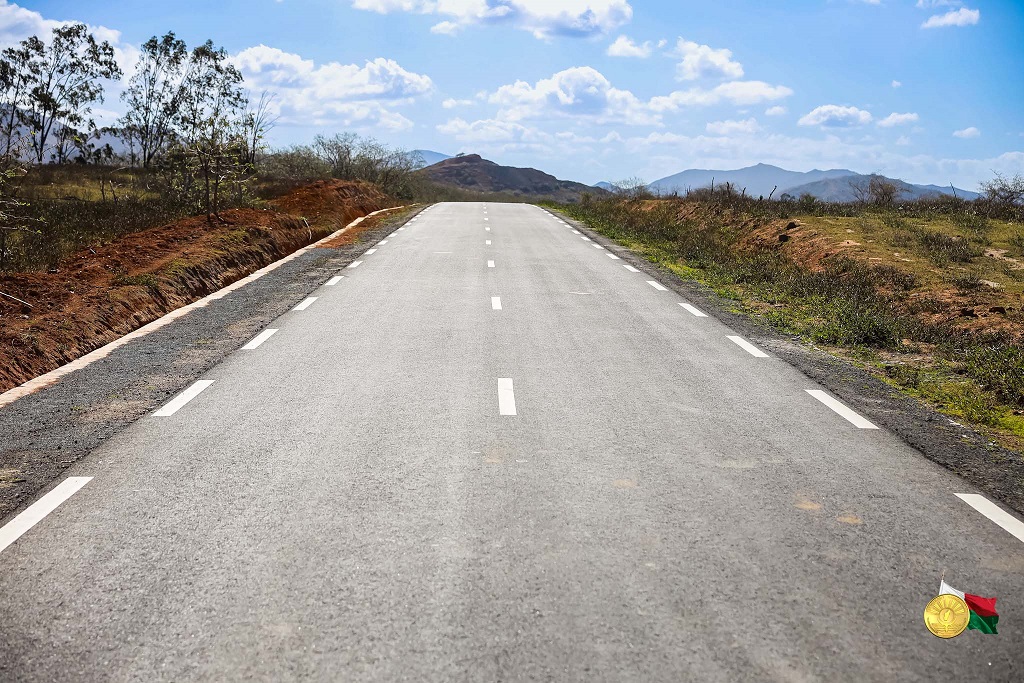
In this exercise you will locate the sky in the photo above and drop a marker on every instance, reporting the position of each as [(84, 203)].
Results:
[(929, 91)]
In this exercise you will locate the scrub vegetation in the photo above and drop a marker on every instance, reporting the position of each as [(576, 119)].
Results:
[(927, 295)]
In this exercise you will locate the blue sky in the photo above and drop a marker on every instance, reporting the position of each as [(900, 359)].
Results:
[(931, 91)]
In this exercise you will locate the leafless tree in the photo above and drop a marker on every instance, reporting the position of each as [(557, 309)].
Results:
[(152, 98)]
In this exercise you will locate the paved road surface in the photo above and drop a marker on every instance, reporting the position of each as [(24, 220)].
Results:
[(546, 469)]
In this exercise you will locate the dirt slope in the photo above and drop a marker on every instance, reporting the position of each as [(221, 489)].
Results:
[(102, 293)]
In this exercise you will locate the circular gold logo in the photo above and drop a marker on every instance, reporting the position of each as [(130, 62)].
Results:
[(946, 616)]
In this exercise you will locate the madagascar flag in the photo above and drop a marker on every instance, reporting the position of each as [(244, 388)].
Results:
[(983, 610)]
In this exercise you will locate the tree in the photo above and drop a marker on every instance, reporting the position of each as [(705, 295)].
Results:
[(65, 82), (152, 97), (257, 121), (1004, 191), (208, 119), (14, 84)]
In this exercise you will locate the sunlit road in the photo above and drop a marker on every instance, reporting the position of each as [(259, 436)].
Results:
[(495, 451)]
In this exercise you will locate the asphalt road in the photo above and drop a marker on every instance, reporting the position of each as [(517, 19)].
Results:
[(490, 451)]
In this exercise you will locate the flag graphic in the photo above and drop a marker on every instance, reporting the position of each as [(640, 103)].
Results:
[(983, 610)]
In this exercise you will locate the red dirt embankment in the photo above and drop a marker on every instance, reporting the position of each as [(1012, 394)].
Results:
[(105, 292)]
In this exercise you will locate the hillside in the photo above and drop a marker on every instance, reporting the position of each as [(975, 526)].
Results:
[(429, 158), (829, 185), (842, 189), (472, 172)]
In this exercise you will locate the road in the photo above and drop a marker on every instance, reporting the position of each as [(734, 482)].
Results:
[(491, 451)]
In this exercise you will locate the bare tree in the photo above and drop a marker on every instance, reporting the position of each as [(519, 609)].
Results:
[(1004, 191), (14, 85), (257, 122), (883, 191)]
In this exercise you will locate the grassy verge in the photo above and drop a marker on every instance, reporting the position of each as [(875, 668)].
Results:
[(898, 315)]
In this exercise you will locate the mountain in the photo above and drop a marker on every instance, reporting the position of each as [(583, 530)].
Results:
[(605, 185), (472, 172), (832, 185), (429, 158), (842, 189), (758, 180)]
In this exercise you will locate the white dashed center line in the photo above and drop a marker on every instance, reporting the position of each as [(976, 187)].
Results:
[(370, 251), (598, 246), (490, 264), (612, 257), (575, 232), (488, 242), (748, 347), (852, 417), (35, 512), (382, 243), (496, 303), (487, 229), (354, 264), (184, 397), (334, 280), (305, 303), (631, 269), (694, 310), (1008, 522), (656, 285), (259, 339), (506, 397)]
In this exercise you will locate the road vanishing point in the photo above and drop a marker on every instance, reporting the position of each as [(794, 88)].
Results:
[(491, 449)]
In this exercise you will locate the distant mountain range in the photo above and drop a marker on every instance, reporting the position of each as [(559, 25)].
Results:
[(833, 185), (429, 158), (472, 172)]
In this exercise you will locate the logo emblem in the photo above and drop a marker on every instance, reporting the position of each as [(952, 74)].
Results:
[(947, 616)]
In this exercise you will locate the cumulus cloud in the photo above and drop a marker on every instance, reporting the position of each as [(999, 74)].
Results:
[(967, 133), (740, 93), (703, 61), (777, 110), (576, 92), (543, 18), (332, 93), (895, 119), (625, 47), (897, 84), (747, 127), (18, 23), (835, 116), (452, 103), (958, 17)]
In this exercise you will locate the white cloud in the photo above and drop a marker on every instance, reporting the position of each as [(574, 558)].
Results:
[(958, 17), (703, 61), (777, 110), (928, 4), (835, 116), (577, 92), (625, 47), (445, 28), (18, 23), (332, 93), (967, 133), (897, 84), (895, 119), (543, 18), (747, 127), (452, 103), (740, 93), (903, 141)]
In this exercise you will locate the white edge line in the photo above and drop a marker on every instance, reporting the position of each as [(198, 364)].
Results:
[(184, 397), (354, 264), (747, 346), (334, 280), (370, 251), (490, 264), (657, 286), (598, 246), (693, 309), (841, 409), (35, 512), (1001, 517), (613, 257), (305, 303), (45, 380), (506, 397), (631, 269), (488, 241), (496, 303), (260, 338)]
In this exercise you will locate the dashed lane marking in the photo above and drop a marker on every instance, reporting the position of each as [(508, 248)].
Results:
[(692, 309), (38, 510), (305, 303), (259, 339), (657, 286), (1008, 522), (854, 418), (179, 401), (747, 346)]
